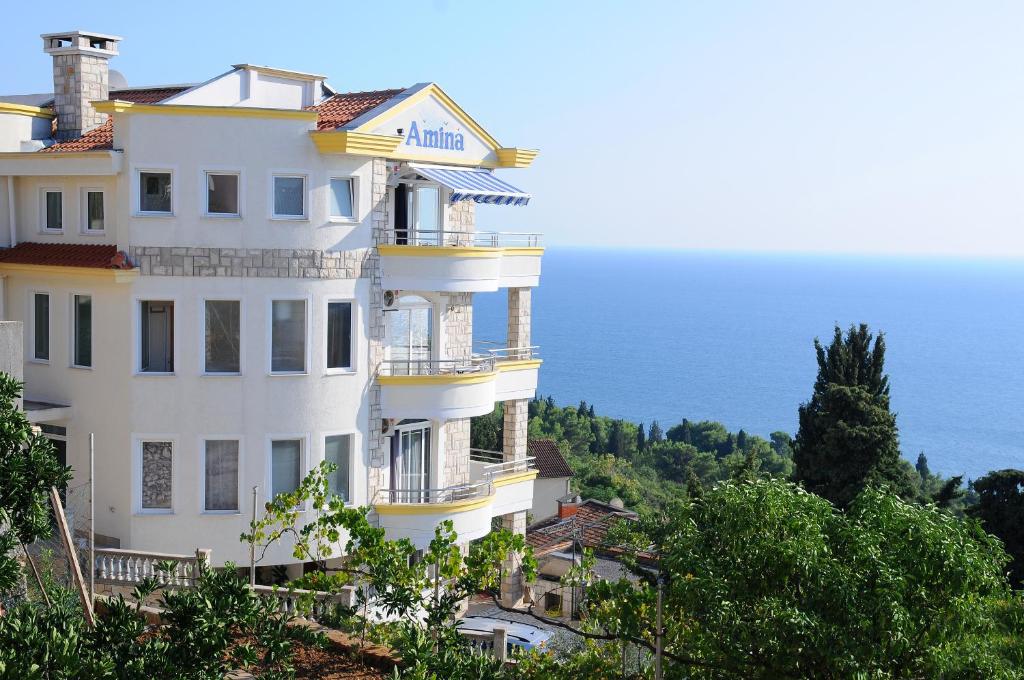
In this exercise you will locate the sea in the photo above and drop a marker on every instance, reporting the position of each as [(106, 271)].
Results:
[(667, 335)]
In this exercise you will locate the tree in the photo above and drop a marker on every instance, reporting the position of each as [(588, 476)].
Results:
[(655, 434), (741, 440), (764, 580), (848, 437), (922, 466), (641, 439), (1001, 511)]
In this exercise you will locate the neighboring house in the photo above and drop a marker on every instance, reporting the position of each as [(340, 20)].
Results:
[(231, 282), (558, 543), (553, 475)]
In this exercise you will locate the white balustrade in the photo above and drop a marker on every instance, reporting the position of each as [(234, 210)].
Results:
[(128, 567)]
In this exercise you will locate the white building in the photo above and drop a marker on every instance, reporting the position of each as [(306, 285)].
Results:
[(230, 282)]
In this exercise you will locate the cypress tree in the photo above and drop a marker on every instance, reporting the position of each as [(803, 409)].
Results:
[(848, 437), (641, 439), (741, 440), (922, 467), (655, 435)]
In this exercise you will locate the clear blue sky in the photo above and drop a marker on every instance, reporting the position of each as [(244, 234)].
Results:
[(875, 126)]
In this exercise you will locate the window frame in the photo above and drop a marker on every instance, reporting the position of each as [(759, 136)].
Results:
[(73, 327), (137, 337), (354, 190), (271, 203), (137, 171), (270, 334), (205, 195), (206, 373), (137, 476), (353, 436), (202, 473), (268, 473), (84, 211), (32, 293), (43, 209), (352, 335)]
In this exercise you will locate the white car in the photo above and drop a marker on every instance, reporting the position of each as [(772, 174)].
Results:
[(521, 635)]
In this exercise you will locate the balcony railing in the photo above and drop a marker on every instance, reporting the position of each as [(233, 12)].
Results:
[(448, 494), (465, 239), (474, 364), (492, 349)]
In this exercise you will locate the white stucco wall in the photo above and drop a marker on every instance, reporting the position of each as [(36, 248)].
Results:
[(546, 492)]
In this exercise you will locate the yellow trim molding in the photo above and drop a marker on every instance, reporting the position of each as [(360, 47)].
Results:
[(522, 251), (526, 476), (24, 110), (357, 143), (447, 379), (514, 157), (438, 251), (433, 508), (120, 106), (117, 275), (517, 364)]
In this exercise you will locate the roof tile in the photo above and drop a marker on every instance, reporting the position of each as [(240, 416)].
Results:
[(548, 459), (345, 107), (592, 521), (66, 255)]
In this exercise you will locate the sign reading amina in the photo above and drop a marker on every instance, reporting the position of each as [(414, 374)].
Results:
[(434, 139)]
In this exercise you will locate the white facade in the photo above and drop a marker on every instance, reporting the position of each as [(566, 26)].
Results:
[(146, 381)]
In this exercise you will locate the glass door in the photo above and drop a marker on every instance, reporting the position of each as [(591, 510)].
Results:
[(410, 333), (413, 465)]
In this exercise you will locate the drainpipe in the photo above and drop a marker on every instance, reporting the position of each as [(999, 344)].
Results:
[(12, 213)]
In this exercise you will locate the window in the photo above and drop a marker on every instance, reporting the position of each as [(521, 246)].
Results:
[(223, 336), (285, 465), (427, 209), (338, 450), (339, 335), (289, 196), (53, 209), (156, 336), (221, 194), (288, 336), (156, 475), (341, 199), (221, 475), (93, 211), (41, 326), (82, 341), (155, 192), (409, 331)]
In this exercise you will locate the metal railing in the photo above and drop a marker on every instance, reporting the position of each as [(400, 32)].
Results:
[(441, 238), (448, 494), (508, 353), (486, 456), (506, 467), (473, 364)]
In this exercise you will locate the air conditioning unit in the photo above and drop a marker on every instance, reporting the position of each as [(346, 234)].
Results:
[(390, 298)]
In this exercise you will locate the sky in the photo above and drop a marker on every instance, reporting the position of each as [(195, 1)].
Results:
[(871, 127)]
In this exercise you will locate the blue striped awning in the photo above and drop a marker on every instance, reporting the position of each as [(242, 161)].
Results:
[(476, 185)]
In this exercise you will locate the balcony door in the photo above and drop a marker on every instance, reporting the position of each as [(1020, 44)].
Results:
[(410, 461), (410, 333), (418, 208)]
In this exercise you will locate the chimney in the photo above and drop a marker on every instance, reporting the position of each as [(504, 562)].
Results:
[(80, 75), (567, 506)]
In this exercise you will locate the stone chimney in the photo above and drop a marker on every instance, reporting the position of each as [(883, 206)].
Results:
[(567, 506), (80, 75)]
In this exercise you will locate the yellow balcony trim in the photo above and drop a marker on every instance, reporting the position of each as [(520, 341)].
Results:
[(120, 106), (438, 251), (355, 143), (526, 476), (448, 379), (523, 251), (117, 275), (432, 508), (514, 157), (517, 364), (25, 110)]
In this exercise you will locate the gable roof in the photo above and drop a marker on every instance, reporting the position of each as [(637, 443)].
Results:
[(592, 521), (548, 459), (91, 255), (344, 107)]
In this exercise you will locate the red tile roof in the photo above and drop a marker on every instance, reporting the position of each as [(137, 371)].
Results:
[(66, 255), (592, 521), (102, 138), (548, 459), (345, 107)]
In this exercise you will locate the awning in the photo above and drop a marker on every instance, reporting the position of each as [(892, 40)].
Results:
[(480, 186)]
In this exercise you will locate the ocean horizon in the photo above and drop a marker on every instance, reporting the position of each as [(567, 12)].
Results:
[(728, 336)]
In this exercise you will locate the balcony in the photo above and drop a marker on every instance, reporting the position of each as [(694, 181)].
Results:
[(496, 489), (443, 389), (467, 262)]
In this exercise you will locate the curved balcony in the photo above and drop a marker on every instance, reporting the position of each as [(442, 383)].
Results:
[(464, 262), (497, 489), (442, 389)]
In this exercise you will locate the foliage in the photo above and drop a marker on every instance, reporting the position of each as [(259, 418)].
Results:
[(211, 629), (1001, 511), (848, 438), (28, 469), (764, 580)]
